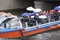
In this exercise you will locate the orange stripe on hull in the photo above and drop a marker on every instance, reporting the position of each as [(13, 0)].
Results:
[(40, 30), (16, 34), (10, 34), (35, 32), (54, 27)]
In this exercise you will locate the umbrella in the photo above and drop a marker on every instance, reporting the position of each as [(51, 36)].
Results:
[(57, 8), (30, 8), (33, 13), (25, 14), (37, 10)]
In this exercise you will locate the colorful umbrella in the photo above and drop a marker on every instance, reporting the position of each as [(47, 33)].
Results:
[(33, 13), (37, 10), (25, 14), (57, 8), (30, 8)]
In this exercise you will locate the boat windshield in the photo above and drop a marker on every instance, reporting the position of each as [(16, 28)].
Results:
[(13, 23)]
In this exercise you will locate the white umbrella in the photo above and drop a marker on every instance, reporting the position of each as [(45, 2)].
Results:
[(37, 10), (30, 8)]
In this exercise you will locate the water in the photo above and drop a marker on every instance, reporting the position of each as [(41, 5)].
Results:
[(49, 35)]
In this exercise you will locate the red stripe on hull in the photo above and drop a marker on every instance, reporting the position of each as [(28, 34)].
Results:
[(54, 27), (10, 34), (16, 34), (35, 32), (40, 30)]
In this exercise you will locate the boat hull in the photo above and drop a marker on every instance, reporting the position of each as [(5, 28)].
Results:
[(18, 33), (39, 30), (13, 34)]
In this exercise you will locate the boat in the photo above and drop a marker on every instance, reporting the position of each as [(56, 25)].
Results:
[(24, 32), (41, 28), (14, 29)]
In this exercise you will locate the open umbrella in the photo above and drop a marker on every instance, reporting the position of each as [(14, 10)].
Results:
[(33, 13), (37, 10), (25, 14), (30, 8), (57, 8)]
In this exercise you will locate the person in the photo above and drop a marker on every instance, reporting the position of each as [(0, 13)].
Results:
[(52, 15), (32, 21), (56, 15), (37, 18), (43, 17), (47, 14)]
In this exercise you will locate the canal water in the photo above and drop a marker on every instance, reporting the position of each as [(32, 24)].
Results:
[(49, 35)]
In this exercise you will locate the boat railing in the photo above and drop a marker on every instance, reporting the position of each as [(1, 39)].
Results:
[(49, 23), (46, 24)]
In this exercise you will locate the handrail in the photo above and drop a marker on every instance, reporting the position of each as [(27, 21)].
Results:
[(44, 25)]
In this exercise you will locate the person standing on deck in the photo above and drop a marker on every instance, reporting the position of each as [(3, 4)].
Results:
[(56, 15), (52, 14)]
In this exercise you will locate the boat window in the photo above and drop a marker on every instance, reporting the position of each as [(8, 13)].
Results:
[(13, 23)]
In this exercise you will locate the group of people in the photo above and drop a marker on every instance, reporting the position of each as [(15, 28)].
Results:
[(41, 17), (35, 18)]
